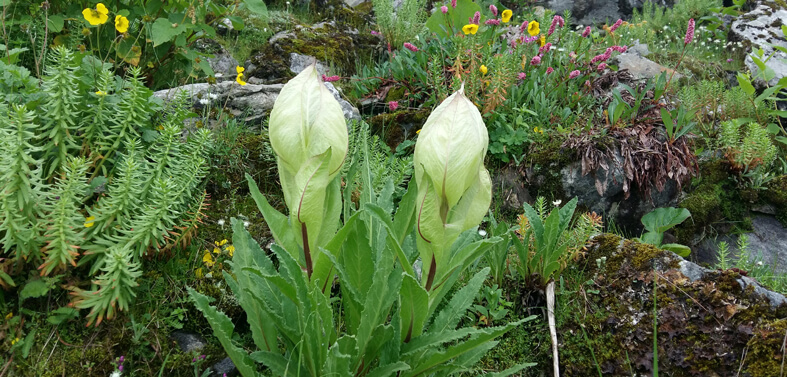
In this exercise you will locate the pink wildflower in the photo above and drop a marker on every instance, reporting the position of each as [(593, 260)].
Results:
[(493, 9), (536, 60), (492, 21), (556, 21), (574, 74), (689, 33), (444, 9), (603, 57), (477, 18), (616, 25), (393, 105), (620, 49), (602, 66), (410, 47), (330, 78), (550, 70), (453, 3), (523, 27), (375, 33), (522, 75), (545, 48), (586, 33)]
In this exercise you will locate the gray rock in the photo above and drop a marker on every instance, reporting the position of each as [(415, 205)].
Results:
[(774, 298), (187, 341), (760, 28), (224, 367), (299, 62), (510, 184), (692, 271), (251, 101), (350, 111), (223, 65), (354, 3), (641, 67), (638, 48), (589, 12)]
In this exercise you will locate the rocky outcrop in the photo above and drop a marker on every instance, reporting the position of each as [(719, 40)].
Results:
[(589, 12), (760, 28)]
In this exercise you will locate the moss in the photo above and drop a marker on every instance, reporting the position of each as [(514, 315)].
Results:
[(765, 349), (395, 94), (395, 127), (776, 195), (546, 160)]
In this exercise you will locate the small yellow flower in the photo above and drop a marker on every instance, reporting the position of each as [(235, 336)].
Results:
[(121, 24), (9, 315), (89, 221), (208, 259), (15, 341), (239, 79), (230, 250), (470, 29), (216, 250), (101, 93), (507, 15), (418, 132), (98, 16), (533, 28), (483, 69), (541, 41), (223, 242), (538, 130)]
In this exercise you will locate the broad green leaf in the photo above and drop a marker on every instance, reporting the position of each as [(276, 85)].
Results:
[(257, 6), (277, 363), (679, 249), (223, 328), (445, 25), (662, 219), (652, 238), (55, 23), (388, 370), (7, 279), (766, 94), (449, 317), (34, 288), (514, 369), (745, 84), (164, 31), (237, 22), (413, 308), (276, 221), (61, 315)]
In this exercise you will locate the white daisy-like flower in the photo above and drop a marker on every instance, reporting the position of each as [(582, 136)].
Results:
[(557, 202), (246, 224), (716, 41), (482, 233), (666, 27), (116, 373), (220, 222), (204, 101), (759, 263), (213, 96)]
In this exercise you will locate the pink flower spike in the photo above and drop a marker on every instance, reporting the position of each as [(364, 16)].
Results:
[(410, 47), (689, 33), (375, 33), (616, 25), (523, 27), (545, 48), (574, 74), (393, 105), (477, 18), (330, 78), (556, 21), (536, 60), (493, 9), (492, 21), (444, 9), (586, 33), (602, 66), (453, 3), (550, 70), (522, 75)]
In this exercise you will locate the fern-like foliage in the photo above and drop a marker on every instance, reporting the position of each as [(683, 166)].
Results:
[(60, 109), (156, 218), (746, 146), (62, 235), (20, 182), (114, 287), (99, 114)]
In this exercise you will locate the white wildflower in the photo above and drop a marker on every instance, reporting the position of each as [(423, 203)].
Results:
[(204, 101), (246, 224), (482, 233), (213, 96), (220, 222), (557, 202), (115, 374)]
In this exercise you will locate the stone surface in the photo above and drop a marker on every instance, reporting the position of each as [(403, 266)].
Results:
[(350, 111), (509, 184), (224, 367), (589, 12), (768, 241), (641, 67), (251, 102), (299, 62), (187, 341), (761, 28)]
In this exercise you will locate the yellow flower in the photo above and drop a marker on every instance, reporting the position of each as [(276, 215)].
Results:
[(533, 29), (208, 260), (418, 132), (89, 221), (9, 315), (483, 69), (216, 250), (121, 24), (198, 273), (538, 130), (507, 15), (98, 16), (101, 93), (223, 242), (15, 341), (470, 29), (230, 250), (541, 41), (239, 79)]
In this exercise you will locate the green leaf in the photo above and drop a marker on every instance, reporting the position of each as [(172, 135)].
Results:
[(447, 24), (237, 22), (413, 308), (7, 279), (767, 93), (257, 6), (223, 328), (514, 369), (276, 363), (388, 369), (679, 249), (34, 288), (28, 345), (276, 221), (61, 315), (55, 23), (450, 316), (662, 219), (745, 84), (164, 31)]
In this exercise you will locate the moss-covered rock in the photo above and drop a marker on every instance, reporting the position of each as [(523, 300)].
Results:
[(776, 195), (396, 127)]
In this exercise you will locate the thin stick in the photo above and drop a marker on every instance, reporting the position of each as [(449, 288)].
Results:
[(552, 330)]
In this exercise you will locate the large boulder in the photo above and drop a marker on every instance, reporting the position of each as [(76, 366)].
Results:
[(589, 12), (760, 28)]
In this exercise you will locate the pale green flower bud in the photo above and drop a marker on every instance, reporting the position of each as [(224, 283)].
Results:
[(454, 188), (308, 133)]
